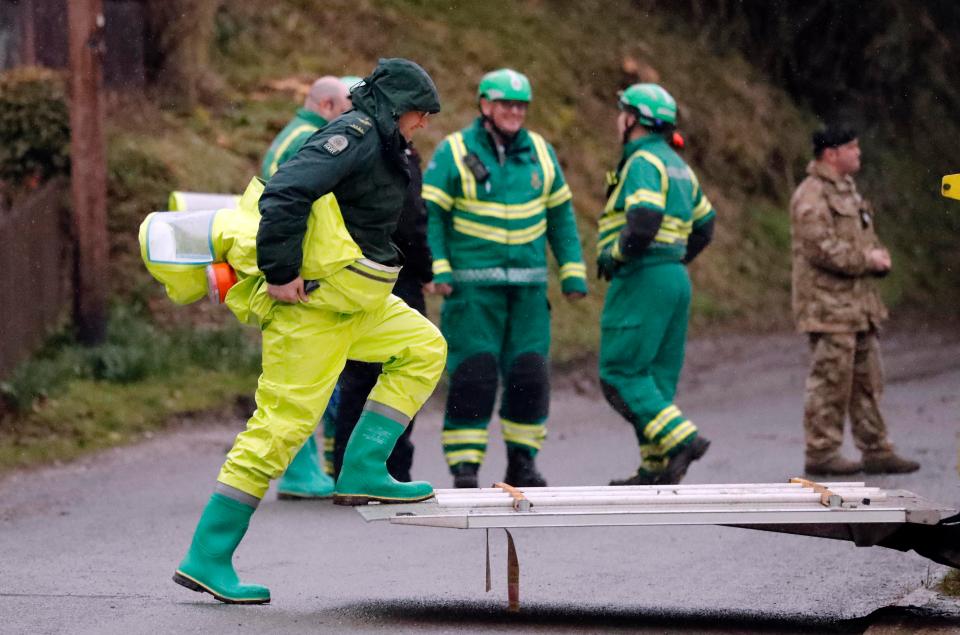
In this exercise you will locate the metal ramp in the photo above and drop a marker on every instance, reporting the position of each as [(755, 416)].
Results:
[(866, 516)]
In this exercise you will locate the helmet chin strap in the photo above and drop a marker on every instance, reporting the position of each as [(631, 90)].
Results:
[(505, 136), (629, 130), (501, 137)]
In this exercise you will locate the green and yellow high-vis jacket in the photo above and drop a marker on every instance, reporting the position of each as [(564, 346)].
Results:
[(290, 139), (653, 178), (489, 222)]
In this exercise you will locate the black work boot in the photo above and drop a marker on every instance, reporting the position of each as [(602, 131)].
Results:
[(642, 477), (465, 474), (522, 470), (677, 467)]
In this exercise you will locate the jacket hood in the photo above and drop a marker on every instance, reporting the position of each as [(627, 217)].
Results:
[(396, 86)]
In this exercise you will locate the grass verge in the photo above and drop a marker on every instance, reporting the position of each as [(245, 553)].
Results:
[(70, 400), (94, 415)]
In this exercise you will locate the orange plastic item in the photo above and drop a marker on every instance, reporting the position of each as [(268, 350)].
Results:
[(220, 277), (677, 141)]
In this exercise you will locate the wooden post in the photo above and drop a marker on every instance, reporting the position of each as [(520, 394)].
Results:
[(28, 43), (88, 171)]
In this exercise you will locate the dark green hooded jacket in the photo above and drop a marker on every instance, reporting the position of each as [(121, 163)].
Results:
[(359, 157)]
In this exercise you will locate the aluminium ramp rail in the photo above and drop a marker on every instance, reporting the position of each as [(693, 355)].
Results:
[(866, 516)]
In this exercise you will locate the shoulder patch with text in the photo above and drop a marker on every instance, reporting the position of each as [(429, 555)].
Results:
[(336, 144), (360, 126)]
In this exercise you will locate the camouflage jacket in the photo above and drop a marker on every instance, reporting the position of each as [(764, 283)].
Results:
[(832, 229)]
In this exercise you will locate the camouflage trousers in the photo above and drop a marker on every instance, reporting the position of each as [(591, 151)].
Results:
[(846, 376)]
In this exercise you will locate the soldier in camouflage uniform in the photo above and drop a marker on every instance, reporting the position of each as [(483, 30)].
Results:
[(836, 259)]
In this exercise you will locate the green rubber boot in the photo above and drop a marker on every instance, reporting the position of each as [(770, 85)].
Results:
[(208, 565), (304, 477), (364, 477)]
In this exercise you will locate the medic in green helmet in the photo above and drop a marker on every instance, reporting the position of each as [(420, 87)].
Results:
[(495, 197), (656, 220)]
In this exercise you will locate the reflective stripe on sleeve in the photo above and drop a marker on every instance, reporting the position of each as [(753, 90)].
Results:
[(560, 197), (437, 196), (573, 270), (441, 266)]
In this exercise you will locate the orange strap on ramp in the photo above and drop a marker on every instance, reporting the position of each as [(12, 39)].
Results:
[(827, 498), (520, 502)]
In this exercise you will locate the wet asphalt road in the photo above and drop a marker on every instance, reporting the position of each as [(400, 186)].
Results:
[(90, 547)]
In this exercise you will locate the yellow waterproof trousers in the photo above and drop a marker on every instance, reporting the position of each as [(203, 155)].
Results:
[(305, 347)]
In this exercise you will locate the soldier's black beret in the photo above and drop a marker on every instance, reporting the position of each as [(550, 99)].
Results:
[(831, 137)]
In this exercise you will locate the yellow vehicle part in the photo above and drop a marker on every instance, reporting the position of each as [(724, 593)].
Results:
[(950, 187)]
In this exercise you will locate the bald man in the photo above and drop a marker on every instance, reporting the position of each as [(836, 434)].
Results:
[(329, 97)]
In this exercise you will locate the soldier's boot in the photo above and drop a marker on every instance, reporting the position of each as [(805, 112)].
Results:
[(208, 565), (465, 475), (364, 477), (305, 477), (833, 465), (642, 477), (522, 469), (680, 462), (888, 463)]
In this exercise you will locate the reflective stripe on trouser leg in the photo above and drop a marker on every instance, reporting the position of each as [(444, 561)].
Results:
[(237, 495), (652, 458), (529, 435), (304, 350), (669, 430), (526, 402), (327, 451), (464, 442), (473, 391)]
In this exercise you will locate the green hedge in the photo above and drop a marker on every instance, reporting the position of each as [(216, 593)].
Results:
[(34, 125), (135, 351)]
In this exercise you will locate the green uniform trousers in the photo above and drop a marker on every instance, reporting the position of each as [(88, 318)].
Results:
[(643, 336), (305, 346), (497, 330)]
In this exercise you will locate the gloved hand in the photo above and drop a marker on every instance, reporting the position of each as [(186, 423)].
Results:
[(607, 265)]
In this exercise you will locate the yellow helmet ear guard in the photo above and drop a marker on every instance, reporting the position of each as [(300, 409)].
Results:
[(950, 187)]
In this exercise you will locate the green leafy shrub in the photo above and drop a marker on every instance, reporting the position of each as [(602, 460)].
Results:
[(34, 125), (40, 377), (135, 351)]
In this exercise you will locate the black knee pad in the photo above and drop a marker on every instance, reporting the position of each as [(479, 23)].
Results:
[(526, 397), (473, 388), (612, 395)]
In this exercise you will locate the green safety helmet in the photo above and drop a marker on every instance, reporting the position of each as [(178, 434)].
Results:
[(505, 85), (350, 81), (653, 105)]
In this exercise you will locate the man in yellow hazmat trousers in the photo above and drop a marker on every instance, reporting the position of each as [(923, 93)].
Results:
[(318, 282)]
